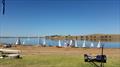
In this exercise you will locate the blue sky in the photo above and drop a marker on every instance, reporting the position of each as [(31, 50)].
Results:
[(62, 17)]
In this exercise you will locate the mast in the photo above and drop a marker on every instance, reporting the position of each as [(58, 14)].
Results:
[(3, 7)]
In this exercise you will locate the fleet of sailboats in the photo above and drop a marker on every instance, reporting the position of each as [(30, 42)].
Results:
[(71, 43)]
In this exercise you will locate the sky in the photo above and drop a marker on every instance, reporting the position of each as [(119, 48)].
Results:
[(59, 17)]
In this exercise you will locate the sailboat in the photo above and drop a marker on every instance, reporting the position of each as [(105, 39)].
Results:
[(65, 43), (76, 43), (70, 42), (92, 45), (23, 42), (83, 44), (44, 42), (59, 43), (18, 42), (99, 44)]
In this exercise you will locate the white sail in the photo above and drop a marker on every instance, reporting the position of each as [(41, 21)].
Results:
[(70, 42), (92, 45), (65, 43), (99, 44), (76, 43), (59, 43), (23, 42), (83, 44), (44, 41), (17, 42)]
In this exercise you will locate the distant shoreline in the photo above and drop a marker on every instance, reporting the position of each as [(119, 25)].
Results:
[(90, 37)]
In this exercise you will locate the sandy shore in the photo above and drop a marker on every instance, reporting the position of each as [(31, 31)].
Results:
[(37, 50)]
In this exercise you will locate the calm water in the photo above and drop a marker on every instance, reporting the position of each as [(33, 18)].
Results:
[(36, 41)]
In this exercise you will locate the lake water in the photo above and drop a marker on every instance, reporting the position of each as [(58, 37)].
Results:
[(36, 41)]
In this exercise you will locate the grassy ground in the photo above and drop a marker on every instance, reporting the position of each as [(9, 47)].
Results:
[(53, 61), (42, 58)]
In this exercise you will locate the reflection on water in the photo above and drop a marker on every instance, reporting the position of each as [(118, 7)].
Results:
[(36, 41)]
